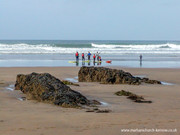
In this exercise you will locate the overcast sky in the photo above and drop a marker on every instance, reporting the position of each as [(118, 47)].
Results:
[(90, 19)]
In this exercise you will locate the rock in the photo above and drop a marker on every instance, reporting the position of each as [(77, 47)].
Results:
[(46, 88), (132, 96), (95, 102), (123, 93), (97, 110), (135, 97), (103, 111), (1, 120), (110, 76), (89, 110), (151, 81), (142, 101)]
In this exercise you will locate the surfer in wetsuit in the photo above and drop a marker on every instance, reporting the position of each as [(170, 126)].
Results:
[(140, 57), (97, 55), (94, 57), (77, 56), (83, 59), (89, 55), (100, 60)]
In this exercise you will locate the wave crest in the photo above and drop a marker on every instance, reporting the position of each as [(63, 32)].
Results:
[(138, 47), (24, 48)]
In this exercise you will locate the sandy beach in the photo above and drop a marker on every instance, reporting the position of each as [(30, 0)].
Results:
[(89, 67), (31, 117)]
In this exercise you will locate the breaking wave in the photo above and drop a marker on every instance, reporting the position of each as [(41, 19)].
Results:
[(24, 48), (139, 47)]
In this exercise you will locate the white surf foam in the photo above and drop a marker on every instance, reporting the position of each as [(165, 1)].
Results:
[(139, 47), (72, 80), (103, 48)]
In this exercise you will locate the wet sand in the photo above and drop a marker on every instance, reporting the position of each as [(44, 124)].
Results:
[(31, 117)]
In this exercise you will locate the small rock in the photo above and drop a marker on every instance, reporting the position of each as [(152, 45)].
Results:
[(132, 96), (103, 111)]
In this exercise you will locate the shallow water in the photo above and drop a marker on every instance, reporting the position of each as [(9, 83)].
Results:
[(140, 76), (65, 63), (166, 83), (74, 80), (55, 53), (13, 93), (104, 103), (21, 98), (10, 87)]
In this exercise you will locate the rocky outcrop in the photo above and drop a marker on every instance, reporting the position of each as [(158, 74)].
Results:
[(46, 88), (110, 76)]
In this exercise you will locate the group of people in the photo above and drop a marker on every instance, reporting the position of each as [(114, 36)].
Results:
[(97, 55)]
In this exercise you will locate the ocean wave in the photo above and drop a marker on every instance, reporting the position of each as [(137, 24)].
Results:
[(108, 46), (139, 47), (23, 48)]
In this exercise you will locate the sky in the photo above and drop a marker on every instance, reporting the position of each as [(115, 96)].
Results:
[(90, 19)]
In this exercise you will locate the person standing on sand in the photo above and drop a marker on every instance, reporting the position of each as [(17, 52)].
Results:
[(83, 59), (140, 57), (89, 55), (77, 56), (97, 55), (94, 57), (100, 58)]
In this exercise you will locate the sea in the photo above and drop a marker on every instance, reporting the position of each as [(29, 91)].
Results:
[(55, 53)]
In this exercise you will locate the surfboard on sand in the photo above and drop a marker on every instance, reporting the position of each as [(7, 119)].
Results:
[(72, 61), (78, 61), (92, 61), (87, 61)]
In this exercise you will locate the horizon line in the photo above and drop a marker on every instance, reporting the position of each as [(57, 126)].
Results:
[(96, 39)]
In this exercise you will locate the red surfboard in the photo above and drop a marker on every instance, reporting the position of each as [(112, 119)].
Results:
[(108, 61)]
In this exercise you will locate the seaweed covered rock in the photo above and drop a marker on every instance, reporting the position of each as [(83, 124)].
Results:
[(110, 76), (46, 88), (132, 96)]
